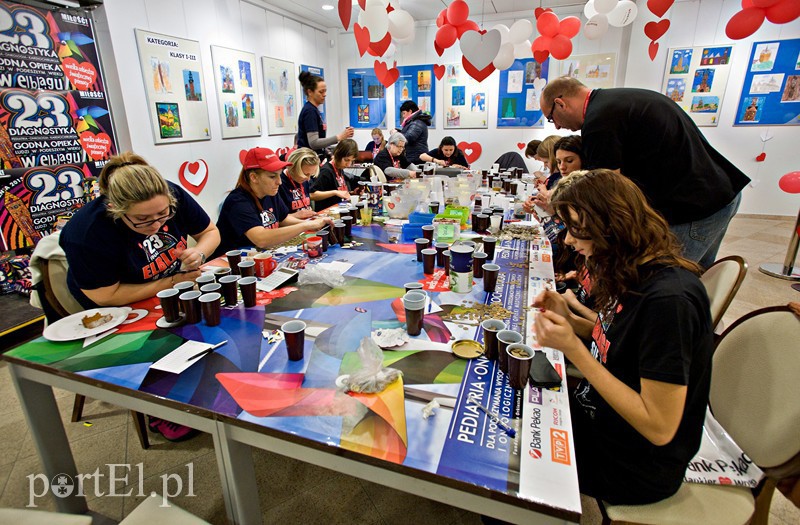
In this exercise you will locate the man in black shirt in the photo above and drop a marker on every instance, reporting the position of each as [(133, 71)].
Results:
[(648, 138)]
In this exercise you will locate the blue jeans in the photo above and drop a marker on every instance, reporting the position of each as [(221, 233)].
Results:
[(701, 239)]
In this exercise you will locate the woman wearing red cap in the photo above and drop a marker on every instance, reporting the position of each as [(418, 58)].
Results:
[(253, 214)]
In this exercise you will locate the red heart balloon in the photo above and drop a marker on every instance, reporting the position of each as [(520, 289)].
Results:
[(790, 183), (538, 11), (379, 48), (655, 30), (472, 150), (761, 157), (473, 71), (521, 145), (345, 11), (362, 38), (652, 50), (541, 56), (659, 7), (386, 76), (438, 71)]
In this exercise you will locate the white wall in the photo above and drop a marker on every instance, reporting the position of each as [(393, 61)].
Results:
[(693, 23)]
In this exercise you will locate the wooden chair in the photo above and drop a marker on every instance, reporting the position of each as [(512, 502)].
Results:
[(722, 280), (754, 397)]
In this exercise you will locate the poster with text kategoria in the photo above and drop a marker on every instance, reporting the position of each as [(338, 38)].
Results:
[(521, 86), (238, 97), (172, 72), (416, 83), (465, 103), (696, 79), (281, 96), (367, 98), (771, 88)]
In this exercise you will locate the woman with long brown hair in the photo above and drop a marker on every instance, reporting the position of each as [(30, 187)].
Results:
[(638, 414)]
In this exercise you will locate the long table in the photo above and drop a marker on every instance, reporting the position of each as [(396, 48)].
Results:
[(248, 393)]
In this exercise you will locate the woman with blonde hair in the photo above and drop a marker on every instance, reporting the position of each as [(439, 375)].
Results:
[(294, 190), (377, 143)]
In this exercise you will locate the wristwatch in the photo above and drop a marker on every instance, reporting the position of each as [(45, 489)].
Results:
[(202, 258)]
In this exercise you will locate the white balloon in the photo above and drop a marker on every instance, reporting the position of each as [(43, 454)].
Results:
[(523, 50), (374, 3), (589, 10), (401, 23), (503, 32), (604, 6), (505, 57), (376, 20), (520, 31), (390, 51), (596, 27), (623, 14), (404, 41)]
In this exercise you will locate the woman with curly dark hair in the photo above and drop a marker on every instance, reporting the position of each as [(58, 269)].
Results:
[(638, 414)]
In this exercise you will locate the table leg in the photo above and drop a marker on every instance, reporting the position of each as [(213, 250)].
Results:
[(47, 430), (238, 477)]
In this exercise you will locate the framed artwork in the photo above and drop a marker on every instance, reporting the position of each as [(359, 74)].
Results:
[(417, 83), (696, 79), (521, 86), (281, 96), (771, 88), (464, 100), (367, 99), (238, 95)]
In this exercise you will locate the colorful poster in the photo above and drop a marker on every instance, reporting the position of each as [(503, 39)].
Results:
[(596, 71), (771, 87), (417, 83), (281, 94), (696, 79), (521, 87), (464, 100), (314, 70), (173, 81), (238, 93), (367, 99)]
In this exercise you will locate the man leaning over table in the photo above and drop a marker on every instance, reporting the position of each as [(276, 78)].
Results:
[(648, 138)]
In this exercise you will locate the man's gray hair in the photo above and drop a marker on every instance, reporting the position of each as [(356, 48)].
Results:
[(397, 138)]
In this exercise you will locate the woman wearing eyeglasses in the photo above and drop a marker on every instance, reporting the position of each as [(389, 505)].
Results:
[(130, 243), (392, 159)]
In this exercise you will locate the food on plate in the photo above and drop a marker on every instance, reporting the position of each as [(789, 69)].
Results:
[(98, 319)]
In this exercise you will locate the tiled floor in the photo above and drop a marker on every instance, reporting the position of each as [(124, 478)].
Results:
[(292, 491)]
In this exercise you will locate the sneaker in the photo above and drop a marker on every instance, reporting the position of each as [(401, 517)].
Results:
[(175, 432), (153, 423)]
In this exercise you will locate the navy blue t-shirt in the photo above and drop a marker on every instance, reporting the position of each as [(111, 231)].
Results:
[(456, 158), (309, 121), (102, 251), (295, 196), (239, 214), (328, 179)]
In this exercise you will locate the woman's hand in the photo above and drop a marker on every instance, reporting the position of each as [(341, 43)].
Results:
[(191, 258), (346, 134), (305, 213), (552, 301), (555, 331), (528, 205), (440, 162), (342, 194)]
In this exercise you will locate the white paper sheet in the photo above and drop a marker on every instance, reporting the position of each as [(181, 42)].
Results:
[(179, 359)]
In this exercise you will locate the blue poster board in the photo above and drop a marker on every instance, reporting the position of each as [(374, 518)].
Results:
[(314, 71), (521, 86), (367, 98), (417, 83), (771, 88)]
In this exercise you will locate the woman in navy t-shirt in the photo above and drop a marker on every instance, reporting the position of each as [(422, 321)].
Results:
[(329, 188), (311, 129), (446, 155), (253, 214), (294, 190)]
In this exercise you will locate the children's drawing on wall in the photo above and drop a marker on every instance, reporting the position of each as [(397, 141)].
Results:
[(452, 74), (716, 56), (226, 75), (791, 93), (424, 104), (766, 83), (272, 90), (363, 113), (458, 96), (681, 58), (751, 109), (531, 100), (284, 80), (356, 87), (705, 104), (676, 88), (160, 74), (515, 81), (289, 100), (478, 102), (453, 117), (248, 109), (533, 70), (231, 115), (375, 91), (509, 106), (280, 117), (191, 85), (764, 56), (423, 80), (245, 78), (703, 78), (169, 120)]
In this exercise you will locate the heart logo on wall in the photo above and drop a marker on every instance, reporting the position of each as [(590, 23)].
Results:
[(97, 147), (193, 175), (386, 76), (521, 145), (761, 157), (82, 75), (472, 150), (438, 71)]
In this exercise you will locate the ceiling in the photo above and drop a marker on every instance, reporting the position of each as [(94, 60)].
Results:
[(311, 10)]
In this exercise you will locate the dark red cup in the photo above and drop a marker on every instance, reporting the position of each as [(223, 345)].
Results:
[(191, 306), (490, 272), (234, 258), (489, 244), (421, 244), (440, 248), (478, 260), (427, 232), (247, 268), (210, 305), (230, 289), (169, 304), (428, 260), (248, 287), (294, 334)]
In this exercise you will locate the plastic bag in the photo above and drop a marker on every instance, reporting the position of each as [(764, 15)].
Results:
[(316, 274), (371, 377)]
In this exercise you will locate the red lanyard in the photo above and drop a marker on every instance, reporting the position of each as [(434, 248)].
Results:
[(299, 187), (395, 163), (339, 178), (586, 102)]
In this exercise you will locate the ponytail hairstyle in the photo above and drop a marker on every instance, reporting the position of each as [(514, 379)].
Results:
[(127, 179), (309, 81)]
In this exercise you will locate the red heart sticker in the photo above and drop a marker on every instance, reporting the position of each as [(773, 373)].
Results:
[(97, 147), (541, 56), (655, 30), (473, 71), (386, 76), (472, 150), (345, 11), (652, 50), (761, 157), (521, 145), (194, 175), (659, 7), (362, 38), (438, 71), (725, 481), (377, 49), (81, 75)]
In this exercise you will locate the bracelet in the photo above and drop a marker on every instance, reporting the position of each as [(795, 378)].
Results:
[(172, 279), (202, 258)]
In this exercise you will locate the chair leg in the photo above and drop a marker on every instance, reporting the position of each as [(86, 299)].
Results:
[(140, 425), (763, 503), (77, 407)]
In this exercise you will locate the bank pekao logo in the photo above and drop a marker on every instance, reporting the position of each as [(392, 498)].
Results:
[(112, 484)]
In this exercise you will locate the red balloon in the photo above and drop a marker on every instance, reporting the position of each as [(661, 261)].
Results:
[(542, 43), (560, 47), (783, 12), (466, 26), (547, 24), (442, 18), (744, 23), (570, 26), (457, 12), (747, 4), (790, 183), (762, 3), (445, 36)]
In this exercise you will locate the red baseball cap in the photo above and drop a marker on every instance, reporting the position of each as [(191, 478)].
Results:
[(262, 158)]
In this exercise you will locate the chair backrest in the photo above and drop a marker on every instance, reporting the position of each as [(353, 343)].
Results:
[(722, 280), (754, 384), (57, 301)]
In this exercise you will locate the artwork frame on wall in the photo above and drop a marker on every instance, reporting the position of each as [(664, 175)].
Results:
[(771, 86), (166, 61), (469, 111), (696, 78), (281, 96), (597, 71), (417, 83), (366, 99), (238, 93), (520, 87)]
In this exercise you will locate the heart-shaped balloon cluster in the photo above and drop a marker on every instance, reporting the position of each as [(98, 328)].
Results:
[(380, 27), (604, 13), (452, 22), (555, 36), (749, 19)]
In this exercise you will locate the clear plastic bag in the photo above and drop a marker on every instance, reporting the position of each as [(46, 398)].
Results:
[(316, 274), (371, 378)]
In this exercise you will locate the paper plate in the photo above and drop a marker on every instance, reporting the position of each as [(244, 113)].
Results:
[(71, 328)]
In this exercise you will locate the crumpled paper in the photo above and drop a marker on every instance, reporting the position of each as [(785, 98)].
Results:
[(389, 337)]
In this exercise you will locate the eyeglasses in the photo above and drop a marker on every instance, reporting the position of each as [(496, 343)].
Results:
[(399, 147), (145, 224), (552, 109)]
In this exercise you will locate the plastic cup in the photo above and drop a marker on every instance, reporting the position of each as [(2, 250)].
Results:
[(234, 258), (324, 234), (519, 357), (421, 244), (427, 232), (341, 231), (204, 279), (294, 333), (478, 260), (247, 268), (348, 226), (490, 329), (440, 248), (354, 199), (191, 306), (505, 338), (229, 290), (169, 304), (366, 216), (489, 244), (210, 304), (414, 305), (248, 287), (490, 272), (211, 287), (495, 223), (219, 273), (434, 207), (428, 260), (413, 286)]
